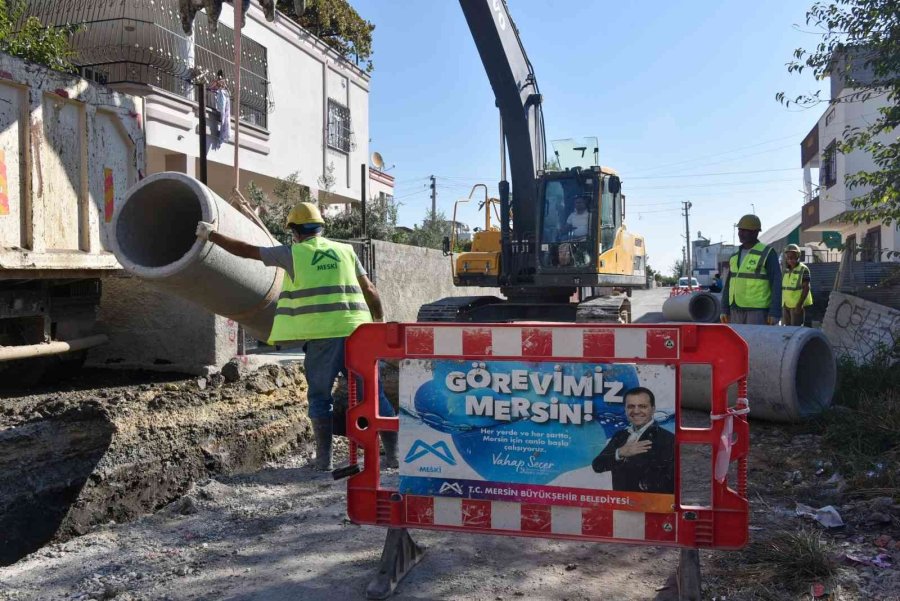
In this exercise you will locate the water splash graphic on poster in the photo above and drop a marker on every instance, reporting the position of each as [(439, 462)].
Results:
[(580, 434)]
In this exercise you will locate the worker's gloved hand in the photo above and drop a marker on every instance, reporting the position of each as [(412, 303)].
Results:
[(204, 229), (724, 318), (378, 319), (772, 321)]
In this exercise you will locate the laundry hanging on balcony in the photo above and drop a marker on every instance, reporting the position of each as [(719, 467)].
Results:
[(188, 8), (223, 105)]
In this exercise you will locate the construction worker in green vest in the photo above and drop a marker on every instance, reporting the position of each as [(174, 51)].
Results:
[(752, 292), (325, 296), (795, 292)]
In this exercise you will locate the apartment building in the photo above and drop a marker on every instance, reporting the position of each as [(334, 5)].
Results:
[(827, 197), (303, 107)]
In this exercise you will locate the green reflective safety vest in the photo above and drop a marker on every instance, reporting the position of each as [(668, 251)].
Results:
[(792, 286), (323, 299), (749, 286)]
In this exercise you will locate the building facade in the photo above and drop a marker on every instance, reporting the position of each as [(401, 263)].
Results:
[(708, 259), (828, 199), (304, 108)]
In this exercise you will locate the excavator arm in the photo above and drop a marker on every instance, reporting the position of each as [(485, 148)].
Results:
[(519, 100)]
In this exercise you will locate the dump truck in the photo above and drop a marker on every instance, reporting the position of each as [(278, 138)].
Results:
[(69, 149)]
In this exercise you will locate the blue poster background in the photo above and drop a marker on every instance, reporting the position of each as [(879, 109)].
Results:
[(439, 440)]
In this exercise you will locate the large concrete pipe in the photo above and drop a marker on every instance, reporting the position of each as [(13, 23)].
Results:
[(153, 238), (792, 374), (701, 307)]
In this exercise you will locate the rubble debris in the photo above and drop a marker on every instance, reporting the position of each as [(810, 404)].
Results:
[(827, 516)]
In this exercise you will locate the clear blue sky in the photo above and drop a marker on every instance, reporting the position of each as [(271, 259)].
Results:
[(673, 91)]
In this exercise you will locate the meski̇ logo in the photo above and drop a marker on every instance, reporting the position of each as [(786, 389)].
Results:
[(447, 487), (420, 448), (323, 254)]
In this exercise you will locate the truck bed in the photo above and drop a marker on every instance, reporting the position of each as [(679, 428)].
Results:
[(69, 149)]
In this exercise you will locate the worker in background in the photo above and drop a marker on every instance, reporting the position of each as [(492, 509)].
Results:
[(795, 292), (752, 293), (716, 285), (325, 296)]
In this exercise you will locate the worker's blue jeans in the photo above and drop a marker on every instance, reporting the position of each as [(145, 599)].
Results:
[(324, 360)]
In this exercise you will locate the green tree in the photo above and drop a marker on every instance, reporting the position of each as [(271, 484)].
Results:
[(432, 231), (29, 39), (677, 269), (858, 36), (273, 212), (338, 25), (381, 217)]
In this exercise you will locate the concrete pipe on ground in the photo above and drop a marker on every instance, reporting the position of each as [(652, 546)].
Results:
[(153, 238), (701, 307), (792, 377)]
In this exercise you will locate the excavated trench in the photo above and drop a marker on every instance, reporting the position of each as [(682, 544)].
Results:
[(112, 451)]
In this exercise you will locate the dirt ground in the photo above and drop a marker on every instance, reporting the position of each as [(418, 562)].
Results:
[(214, 500), (281, 533)]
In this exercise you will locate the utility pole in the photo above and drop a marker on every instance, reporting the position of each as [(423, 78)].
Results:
[(433, 198), (687, 239)]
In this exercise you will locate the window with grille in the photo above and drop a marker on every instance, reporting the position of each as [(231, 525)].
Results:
[(828, 174), (338, 126)]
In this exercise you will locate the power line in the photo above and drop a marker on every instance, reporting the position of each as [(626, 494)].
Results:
[(719, 185), (721, 152), (715, 174), (738, 157)]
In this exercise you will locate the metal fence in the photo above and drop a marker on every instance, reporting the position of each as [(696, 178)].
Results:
[(366, 253), (878, 282), (141, 41)]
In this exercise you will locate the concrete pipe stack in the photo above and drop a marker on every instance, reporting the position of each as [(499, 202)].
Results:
[(793, 373), (701, 307), (153, 238)]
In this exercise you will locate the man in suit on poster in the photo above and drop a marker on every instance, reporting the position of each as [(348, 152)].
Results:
[(641, 457)]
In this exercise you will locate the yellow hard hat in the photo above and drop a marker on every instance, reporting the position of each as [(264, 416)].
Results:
[(303, 213), (792, 248), (749, 222)]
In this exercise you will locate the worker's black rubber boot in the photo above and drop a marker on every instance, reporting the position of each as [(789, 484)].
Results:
[(391, 456), (322, 432)]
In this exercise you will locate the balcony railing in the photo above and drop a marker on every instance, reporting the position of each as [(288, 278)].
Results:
[(141, 41), (809, 214)]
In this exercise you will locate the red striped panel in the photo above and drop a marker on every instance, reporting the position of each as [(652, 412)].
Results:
[(537, 342), (662, 343), (476, 341), (597, 522), (660, 526), (419, 341), (476, 513), (420, 510), (599, 343), (536, 518)]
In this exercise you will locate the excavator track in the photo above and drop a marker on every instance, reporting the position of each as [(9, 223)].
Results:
[(604, 309), (454, 308), (467, 309)]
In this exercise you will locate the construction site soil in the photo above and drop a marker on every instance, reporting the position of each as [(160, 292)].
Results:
[(139, 486)]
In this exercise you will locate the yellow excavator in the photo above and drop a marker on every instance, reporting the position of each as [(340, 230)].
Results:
[(560, 250)]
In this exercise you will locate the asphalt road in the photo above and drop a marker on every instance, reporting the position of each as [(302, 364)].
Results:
[(646, 305)]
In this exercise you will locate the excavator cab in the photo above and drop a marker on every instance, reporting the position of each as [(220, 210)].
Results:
[(569, 222), (581, 233)]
